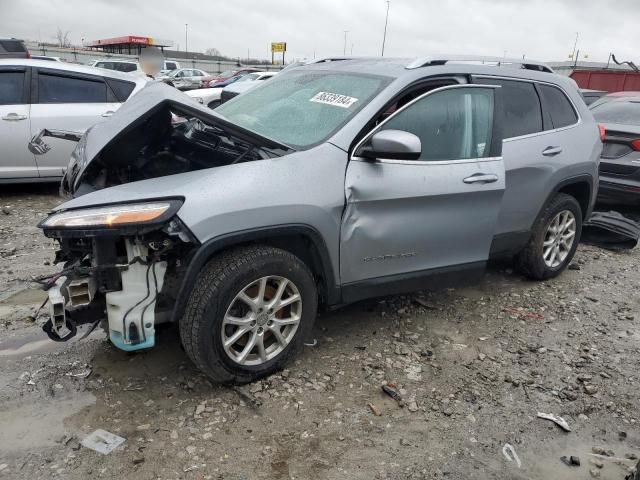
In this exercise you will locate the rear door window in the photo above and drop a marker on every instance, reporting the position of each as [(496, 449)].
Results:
[(522, 111), (11, 88), (558, 105), (69, 89), (121, 88)]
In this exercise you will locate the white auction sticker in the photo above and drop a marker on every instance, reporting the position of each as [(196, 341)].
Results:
[(335, 99)]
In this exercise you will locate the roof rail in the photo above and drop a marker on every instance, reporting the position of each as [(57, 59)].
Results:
[(328, 59), (493, 61)]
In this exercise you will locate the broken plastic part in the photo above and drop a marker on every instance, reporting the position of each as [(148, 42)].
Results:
[(131, 311), (561, 422), (510, 454), (81, 291), (57, 306), (102, 441)]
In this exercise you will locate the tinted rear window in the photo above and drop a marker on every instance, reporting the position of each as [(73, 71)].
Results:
[(558, 105), (11, 88), (627, 113), (58, 89), (12, 46), (522, 112), (121, 88), (117, 66)]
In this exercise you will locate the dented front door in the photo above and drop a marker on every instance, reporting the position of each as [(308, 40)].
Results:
[(411, 217)]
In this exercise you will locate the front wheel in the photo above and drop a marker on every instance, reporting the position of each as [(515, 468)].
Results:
[(249, 313), (554, 239)]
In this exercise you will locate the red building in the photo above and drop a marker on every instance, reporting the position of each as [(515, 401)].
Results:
[(130, 44)]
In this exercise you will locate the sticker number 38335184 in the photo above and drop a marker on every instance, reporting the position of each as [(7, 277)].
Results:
[(335, 99)]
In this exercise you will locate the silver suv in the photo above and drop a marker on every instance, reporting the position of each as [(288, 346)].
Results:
[(333, 182)]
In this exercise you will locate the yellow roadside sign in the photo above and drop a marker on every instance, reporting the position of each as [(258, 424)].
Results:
[(278, 47)]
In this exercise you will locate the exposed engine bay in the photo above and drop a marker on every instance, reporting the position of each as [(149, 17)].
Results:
[(128, 282), (168, 140)]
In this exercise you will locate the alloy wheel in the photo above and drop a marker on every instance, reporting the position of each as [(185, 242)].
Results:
[(261, 320), (559, 238)]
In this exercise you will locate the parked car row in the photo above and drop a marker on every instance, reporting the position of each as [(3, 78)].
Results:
[(212, 96)]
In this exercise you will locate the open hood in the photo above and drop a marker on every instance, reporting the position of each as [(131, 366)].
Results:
[(160, 131)]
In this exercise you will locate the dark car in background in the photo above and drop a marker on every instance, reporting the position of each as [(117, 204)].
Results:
[(613, 96), (215, 80), (591, 96), (620, 161), (13, 48)]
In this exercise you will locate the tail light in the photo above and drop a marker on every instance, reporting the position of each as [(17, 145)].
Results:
[(635, 144), (603, 132)]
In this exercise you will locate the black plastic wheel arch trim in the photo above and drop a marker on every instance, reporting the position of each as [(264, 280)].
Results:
[(208, 249)]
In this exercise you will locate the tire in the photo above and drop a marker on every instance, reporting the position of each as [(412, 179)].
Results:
[(531, 261), (216, 292), (213, 104)]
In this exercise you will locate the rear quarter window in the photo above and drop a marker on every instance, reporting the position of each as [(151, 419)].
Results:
[(522, 111), (558, 105)]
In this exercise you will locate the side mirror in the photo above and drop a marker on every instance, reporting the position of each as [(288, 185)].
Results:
[(392, 144)]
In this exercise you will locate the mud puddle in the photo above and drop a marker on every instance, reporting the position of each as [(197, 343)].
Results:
[(29, 425)]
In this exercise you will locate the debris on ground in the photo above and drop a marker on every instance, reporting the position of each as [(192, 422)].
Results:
[(572, 461), (102, 441), (561, 422), (603, 451), (510, 454), (390, 390), (375, 410), (610, 230), (634, 474)]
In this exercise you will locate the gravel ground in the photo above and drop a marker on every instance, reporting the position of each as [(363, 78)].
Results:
[(473, 366)]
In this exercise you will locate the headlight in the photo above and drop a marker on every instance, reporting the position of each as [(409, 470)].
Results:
[(113, 216)]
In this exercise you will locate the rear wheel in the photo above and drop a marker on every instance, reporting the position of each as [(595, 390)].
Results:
[(554, 239), (249, 313)]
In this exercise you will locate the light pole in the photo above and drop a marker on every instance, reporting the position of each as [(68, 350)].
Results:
[(186, 38), (344, 50), (386, 21), (575, 45)]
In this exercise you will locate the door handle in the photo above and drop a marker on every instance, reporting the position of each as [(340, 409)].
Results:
[(551, 151), (108, 113), (481, 178), (14, 117)]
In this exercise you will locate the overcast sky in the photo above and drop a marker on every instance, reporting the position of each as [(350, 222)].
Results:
[(541, 29)]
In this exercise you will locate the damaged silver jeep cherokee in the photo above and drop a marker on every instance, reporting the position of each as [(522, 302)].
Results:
[(334, 182)]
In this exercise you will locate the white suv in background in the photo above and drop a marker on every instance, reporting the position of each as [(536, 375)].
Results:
[(129, 66), (39, 94)]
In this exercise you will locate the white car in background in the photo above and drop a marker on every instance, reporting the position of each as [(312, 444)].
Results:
[(237, 88), (40, 94), (128, 65), (184, 78), (212, 97)]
